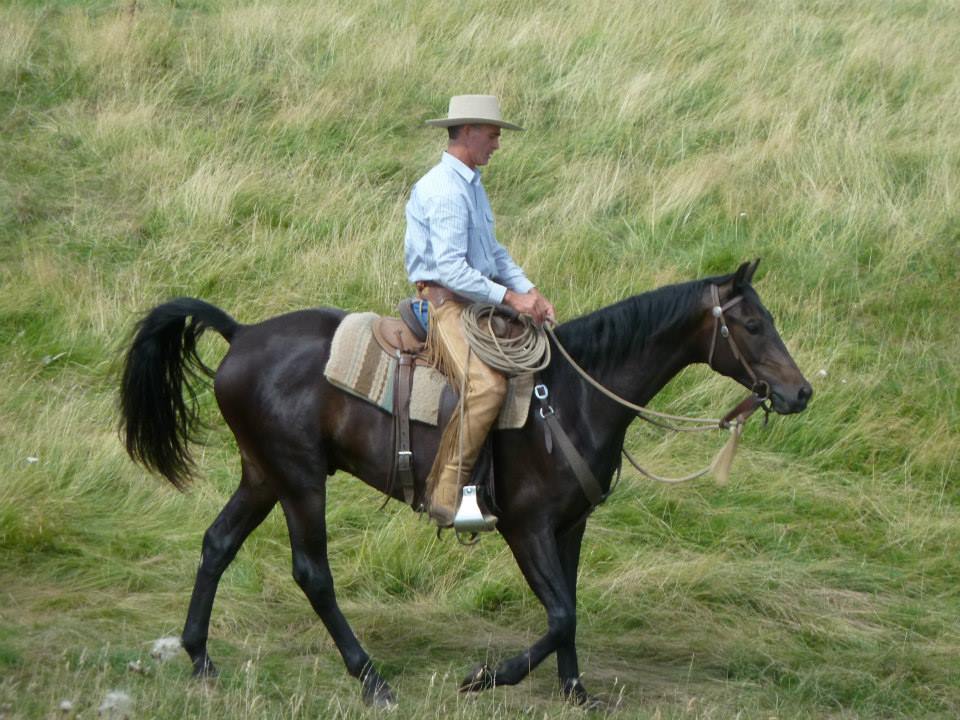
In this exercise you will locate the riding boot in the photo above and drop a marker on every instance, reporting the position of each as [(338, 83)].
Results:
[(444, 499)]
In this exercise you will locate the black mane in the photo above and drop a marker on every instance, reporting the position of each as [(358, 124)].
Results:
[(605, 337)]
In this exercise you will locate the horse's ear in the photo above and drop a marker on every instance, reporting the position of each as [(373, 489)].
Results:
[(744, 274)]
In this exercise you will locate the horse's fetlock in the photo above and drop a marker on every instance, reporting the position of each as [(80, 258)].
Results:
[(194, 645)]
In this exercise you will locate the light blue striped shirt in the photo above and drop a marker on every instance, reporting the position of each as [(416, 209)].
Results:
[(450, 237)]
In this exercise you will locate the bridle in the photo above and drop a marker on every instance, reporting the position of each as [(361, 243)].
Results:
[(760, 388), (734, 420)]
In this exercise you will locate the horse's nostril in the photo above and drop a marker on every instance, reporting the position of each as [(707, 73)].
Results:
[(805, 393)]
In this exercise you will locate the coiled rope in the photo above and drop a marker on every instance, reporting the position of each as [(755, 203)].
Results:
[(528, 351)]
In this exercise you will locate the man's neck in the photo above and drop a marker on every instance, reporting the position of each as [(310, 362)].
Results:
[(461, 154)]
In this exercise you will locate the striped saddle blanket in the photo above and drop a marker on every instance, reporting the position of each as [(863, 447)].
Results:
[(361, 367)]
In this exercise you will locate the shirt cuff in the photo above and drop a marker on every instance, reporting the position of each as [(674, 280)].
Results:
[(522, 285), (496, 293)]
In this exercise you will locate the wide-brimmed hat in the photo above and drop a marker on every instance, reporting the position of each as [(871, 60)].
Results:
[(473, 110)]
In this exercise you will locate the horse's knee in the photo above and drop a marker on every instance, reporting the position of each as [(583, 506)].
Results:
[(315, 581), (562, 625)]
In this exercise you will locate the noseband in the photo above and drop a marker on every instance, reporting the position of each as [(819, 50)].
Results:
[(760, 387)]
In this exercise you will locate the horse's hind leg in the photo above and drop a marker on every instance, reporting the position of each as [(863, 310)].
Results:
[(246, 509), (305, 508)]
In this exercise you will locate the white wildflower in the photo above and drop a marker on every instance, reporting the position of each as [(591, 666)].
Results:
[(165, 648), (116, 706)]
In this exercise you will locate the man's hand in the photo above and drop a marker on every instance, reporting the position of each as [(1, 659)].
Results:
[(531, 303)]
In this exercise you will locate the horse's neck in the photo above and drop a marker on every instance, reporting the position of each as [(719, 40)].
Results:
[(636, 378)]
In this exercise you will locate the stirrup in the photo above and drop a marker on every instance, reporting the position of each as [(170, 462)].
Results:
[(470, 518)]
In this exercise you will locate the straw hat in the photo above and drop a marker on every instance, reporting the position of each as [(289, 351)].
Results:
[(473, 110)]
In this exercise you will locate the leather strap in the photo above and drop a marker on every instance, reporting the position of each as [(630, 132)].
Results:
[(588, 481), (438, 294), (401, 414), (747, 407)]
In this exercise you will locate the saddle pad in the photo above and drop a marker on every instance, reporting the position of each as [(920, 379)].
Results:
[(361, 367)]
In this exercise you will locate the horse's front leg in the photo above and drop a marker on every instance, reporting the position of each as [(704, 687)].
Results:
[(567, 666), (538, 555), (304, 505)]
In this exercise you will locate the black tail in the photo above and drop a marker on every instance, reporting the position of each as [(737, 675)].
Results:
[(157, 423)]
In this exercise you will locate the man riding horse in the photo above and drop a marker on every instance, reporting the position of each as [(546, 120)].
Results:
[(453, 257)]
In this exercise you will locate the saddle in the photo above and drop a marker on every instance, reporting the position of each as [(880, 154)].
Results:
[(382, 360), (406, 337), (404, 334)]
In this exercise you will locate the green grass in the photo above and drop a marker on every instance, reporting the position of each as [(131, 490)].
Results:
[(260, 155)]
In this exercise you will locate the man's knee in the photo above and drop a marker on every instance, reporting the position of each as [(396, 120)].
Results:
[(487, 382)]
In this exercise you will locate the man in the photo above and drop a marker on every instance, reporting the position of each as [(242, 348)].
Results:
[(454, 259)]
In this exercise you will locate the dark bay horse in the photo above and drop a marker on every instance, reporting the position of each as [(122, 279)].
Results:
[(294, 430)]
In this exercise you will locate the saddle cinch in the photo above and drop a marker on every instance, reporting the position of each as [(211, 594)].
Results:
[(382, 360)]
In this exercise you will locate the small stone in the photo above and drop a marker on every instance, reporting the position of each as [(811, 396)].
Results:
[(821, 373), (32, 459)]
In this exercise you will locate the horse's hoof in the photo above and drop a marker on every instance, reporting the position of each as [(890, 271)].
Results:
[(480, 678), (205, 670), (377, 694), (575, 693)]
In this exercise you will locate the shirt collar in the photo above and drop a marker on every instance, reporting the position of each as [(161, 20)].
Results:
[(465, 172)]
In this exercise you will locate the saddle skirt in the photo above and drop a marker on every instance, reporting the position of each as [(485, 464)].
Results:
[(361, 364)]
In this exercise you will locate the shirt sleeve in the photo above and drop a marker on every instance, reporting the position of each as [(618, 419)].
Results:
[(449, 235), (508, 272)]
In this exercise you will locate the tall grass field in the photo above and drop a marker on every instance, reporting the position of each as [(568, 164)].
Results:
[(259, 155)]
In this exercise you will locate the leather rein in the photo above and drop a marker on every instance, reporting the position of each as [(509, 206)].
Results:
[(733, 420)]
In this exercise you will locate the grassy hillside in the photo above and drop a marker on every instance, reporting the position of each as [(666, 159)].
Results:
[(259, 155)]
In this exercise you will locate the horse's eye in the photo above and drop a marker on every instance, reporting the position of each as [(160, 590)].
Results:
[(754, 327)]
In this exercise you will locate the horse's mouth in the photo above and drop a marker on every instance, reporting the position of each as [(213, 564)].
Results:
[(787, 403)]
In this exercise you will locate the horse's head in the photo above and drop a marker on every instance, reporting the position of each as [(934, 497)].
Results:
[(741, 342)]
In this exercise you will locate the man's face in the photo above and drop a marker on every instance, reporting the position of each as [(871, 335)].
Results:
[(481, 141)]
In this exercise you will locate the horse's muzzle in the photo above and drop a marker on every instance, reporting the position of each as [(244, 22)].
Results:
[(786, 401)]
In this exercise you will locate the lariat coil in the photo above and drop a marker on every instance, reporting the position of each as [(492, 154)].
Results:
[(524, 350)]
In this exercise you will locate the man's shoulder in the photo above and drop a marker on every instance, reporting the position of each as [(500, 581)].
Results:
[(441, 179)]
